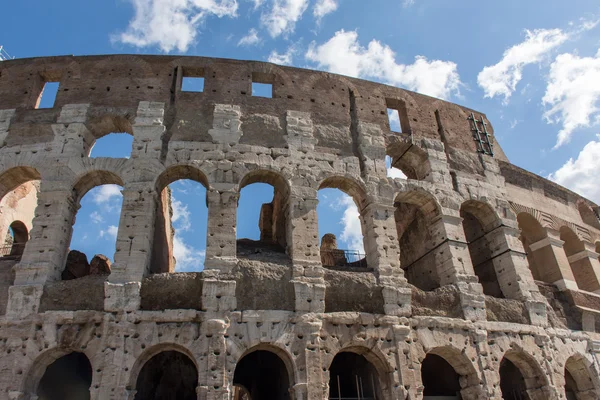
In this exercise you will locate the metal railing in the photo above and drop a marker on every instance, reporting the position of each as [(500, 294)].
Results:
[(14, 250), (343, 258)]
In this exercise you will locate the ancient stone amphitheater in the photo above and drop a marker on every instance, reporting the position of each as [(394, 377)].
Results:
[(480, 280)]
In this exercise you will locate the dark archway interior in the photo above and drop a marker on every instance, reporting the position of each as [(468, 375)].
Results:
[(439, 378), (352, 376), (169, 375), (570, 386), (263, 375), (481, 254), (512, 382), (20, 236), (68, 378)]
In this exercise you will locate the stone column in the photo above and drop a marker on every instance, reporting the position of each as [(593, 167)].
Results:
[(148, 130), (586, 268), (218, 292), (383, 255), (303, 245), (213, 383), (71, 136), (133, 249), (45, 253), (453, 262), (550, 256)]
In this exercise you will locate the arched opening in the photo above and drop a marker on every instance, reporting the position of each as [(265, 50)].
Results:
[(479, 223), (408, 158), (262, 214), (113, 145), (520, 377), (588, 215), (168, 375), (352, 376), (581, 265), (339, 213), (19, 188), (579, 379), (439, 378), (16, 238), (181, 221), (393, 172), (99, 198), (533, 232), (67, 378), (262, 374), (414, 215)]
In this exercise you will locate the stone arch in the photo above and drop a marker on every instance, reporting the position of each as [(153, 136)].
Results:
[(274, 216), (581, 378), (409, 158), (415, 214), (355, 357), (532, 232), (261, 361), (587, 214), (92, 179), (480, 222), (450, 359), (578, 257), (520, 373), (39, 367), (149, 353), (348, 185), (319, 80), (279, 75), (11, 178), (20, 237), (180, 171), (101, 126)]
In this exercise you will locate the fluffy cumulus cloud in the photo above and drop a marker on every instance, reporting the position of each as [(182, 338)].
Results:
[(251, 38), (501, 79), (581, 174), (344, 55), (109, 233), (171, 24), (187, 258), (324, 7), (351, 235), (286, 58), (105, 193), (283, 15), (181, 216), (573, 93)]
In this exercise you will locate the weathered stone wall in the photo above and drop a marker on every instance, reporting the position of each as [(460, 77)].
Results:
[(420, 293)]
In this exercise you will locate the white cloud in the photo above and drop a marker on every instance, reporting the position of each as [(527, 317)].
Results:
[(172, 24), (250, 39), (352, 232), (283, 16), (110, 232), (104, 194), (501, 79), (573, 93), (285, 58), (257, 3), (181, 215), (96, 217), (324, 7), (343, 54), (187, 258), (581, 175)]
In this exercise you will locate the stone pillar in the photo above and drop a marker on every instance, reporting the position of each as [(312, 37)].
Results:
[(383, 255), (586, 268), (453, 262), (218, 292), (308, 385), (133, 249), (71, 136), (45, 253), (303, 245), (213, 383), (554, 265), (148, 130)]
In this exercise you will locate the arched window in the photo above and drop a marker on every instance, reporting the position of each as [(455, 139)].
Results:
[(94, 235), (415, 212), (113, 145), (479, 224), (580, 381), (167, 375), (532, 232), (339, 212), (261, 374), (519, 376), (581, 265), (439, 379), (16, 238), (181, 221), (67, 378), (262, 213), (352, 376)]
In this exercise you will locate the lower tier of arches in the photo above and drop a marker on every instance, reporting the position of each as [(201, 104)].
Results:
[(278, 355)]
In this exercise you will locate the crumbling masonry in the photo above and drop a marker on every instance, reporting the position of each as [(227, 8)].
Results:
[(481, 280)]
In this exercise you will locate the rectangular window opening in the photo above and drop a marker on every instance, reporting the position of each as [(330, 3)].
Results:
[(48, 95), (262, 90), (394, 120), (192, 84)]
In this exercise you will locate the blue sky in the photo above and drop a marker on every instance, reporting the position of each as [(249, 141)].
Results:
[(533, 67)]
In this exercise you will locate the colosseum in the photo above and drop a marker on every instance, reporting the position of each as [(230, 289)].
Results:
[(480, 280)]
